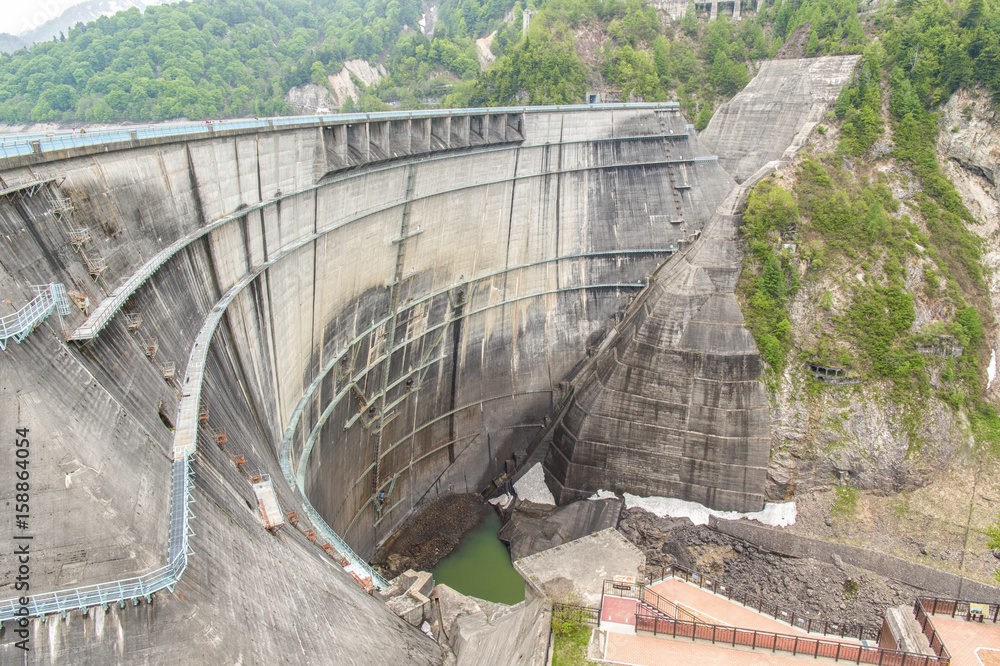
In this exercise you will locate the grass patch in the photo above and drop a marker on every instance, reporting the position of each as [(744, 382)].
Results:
[(569, 643), (845, 504)]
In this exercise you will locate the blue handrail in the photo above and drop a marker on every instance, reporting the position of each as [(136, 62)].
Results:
[(15, 144), (18, 325), (127, 589)]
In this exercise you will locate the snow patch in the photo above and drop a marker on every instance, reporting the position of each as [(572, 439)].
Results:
[(991, 371), (531, 487), (775, 514), (602, 494)]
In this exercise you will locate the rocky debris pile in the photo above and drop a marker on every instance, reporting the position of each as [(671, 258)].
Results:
[(831, 591), (431, 535)]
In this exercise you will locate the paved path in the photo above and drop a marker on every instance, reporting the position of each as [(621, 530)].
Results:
[(708, 606), (618, 610), (963, 639), (662, 651), (651, 651)]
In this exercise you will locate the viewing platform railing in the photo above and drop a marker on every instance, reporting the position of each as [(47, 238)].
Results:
[(807, 646), (653, 602), (968, 610)]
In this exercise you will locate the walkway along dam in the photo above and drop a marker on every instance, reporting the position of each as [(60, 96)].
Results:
[(340, 319)]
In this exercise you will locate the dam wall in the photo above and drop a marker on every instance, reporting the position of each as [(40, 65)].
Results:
[(390, 326), (673, 404), (773, 116)]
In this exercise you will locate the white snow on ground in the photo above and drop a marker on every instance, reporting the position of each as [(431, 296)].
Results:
[(991, 371), (602, 494), (778, 515), (502, 501), (531, 487)]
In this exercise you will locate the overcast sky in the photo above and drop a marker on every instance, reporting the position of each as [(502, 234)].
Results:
[(16, 16)]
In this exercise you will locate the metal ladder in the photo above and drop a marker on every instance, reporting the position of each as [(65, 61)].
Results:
[(390, 337), (670, 171)]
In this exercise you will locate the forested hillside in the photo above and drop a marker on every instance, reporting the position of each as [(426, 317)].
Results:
[(926, 52), (225, 58), (197, 60)]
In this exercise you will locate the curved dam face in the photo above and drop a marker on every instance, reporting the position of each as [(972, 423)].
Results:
[(367, 313), (458, 312)]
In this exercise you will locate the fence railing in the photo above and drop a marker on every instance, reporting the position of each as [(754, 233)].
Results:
[(573, 613), (127, 589), (924, 620), (18, 325), (962, 609), (617, 588), (666, 607), (765, 607), (796, 645), (653, 601)]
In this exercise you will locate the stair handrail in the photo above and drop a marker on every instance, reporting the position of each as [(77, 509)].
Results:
[(18, 325)]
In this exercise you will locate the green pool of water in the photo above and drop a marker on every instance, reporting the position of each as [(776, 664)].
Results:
[(480, 566)]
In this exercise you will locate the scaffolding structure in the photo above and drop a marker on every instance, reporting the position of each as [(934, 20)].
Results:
[(168, 370), (133, 320)]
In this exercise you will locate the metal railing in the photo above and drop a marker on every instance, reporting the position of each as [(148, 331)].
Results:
[(765, 607), (924, 620), (647, 598), (13, 145), (573, 613), (959, 608), (807, 646), (126, 589), (18, 325)]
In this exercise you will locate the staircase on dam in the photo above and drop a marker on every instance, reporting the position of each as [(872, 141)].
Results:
[(17, 326)]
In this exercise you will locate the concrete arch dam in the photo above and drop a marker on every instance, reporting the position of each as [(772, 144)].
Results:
[(371, 311), (393, 305)]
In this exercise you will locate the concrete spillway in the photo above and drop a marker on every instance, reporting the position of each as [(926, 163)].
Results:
[(370, 311)]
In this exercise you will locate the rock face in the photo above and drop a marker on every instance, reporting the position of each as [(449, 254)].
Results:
[(969, 153), (855, 435), (483, 51), (970, 135), (343, 86), (310, 98)]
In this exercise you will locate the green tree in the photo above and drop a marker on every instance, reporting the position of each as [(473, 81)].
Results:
[(704, 116)]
